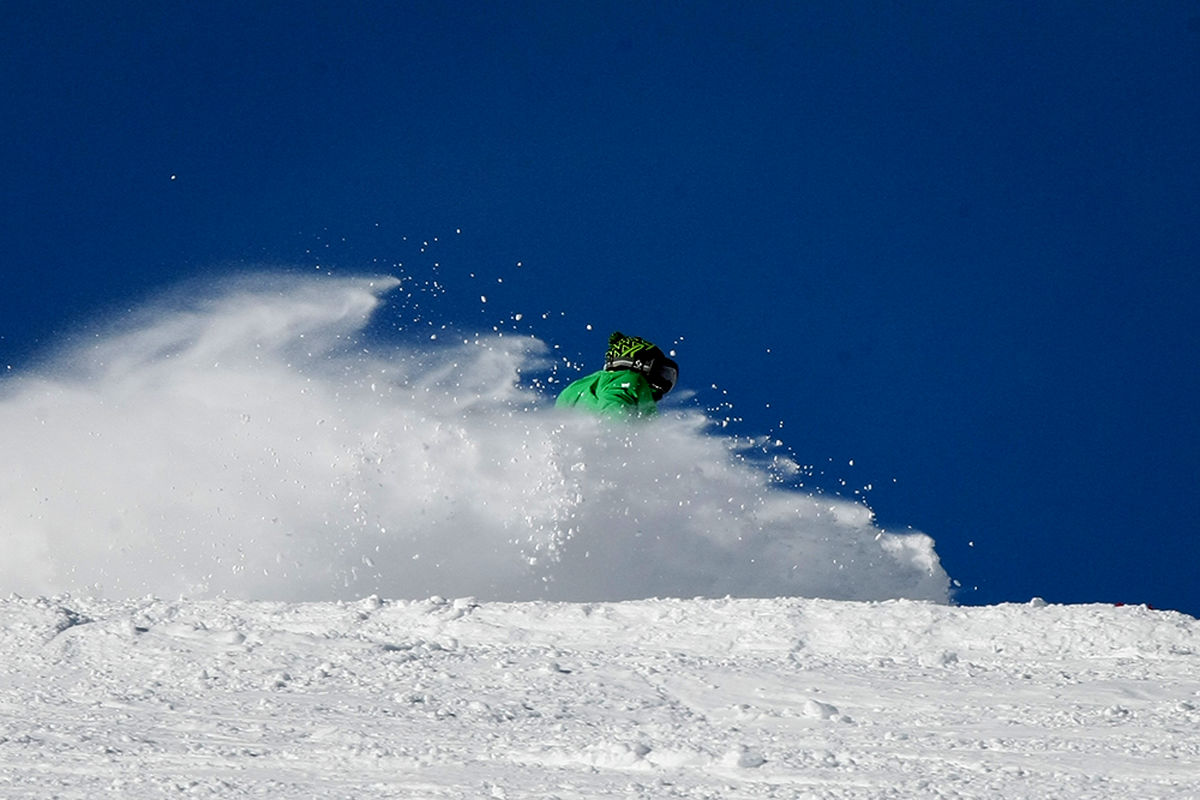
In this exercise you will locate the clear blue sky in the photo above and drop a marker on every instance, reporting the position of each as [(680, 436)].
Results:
[(955, 243)]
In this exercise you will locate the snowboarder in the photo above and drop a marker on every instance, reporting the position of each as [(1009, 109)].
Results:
[(635, 377)]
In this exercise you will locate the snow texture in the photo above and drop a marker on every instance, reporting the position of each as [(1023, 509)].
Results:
[(253, 442), (254, 455), (727, 698)]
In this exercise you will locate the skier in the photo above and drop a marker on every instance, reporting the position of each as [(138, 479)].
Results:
[(635, 377)]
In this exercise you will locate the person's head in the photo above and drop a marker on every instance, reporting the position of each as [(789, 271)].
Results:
[(639, 355)]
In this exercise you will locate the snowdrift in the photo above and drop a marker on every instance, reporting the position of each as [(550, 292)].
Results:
[(255, 441), (748, 698)]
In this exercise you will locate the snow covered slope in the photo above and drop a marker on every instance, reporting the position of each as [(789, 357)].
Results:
[(787, 698), (253, 449)]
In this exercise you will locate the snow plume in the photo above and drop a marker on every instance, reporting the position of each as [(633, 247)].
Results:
[(256, 443)]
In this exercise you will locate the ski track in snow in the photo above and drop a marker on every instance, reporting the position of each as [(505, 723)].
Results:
[(749, 698)]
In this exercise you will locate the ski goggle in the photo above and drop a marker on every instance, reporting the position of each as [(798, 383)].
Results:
[(662, 375)]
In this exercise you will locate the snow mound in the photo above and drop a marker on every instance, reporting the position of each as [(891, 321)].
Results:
[(254, 442), (746, 698)]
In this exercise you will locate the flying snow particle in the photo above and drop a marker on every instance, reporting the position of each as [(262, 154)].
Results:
[(307, 444)]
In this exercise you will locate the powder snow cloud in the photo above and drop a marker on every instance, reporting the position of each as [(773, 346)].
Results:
[(252, 440)]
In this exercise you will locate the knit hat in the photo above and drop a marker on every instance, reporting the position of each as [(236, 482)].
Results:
[(639, 355)]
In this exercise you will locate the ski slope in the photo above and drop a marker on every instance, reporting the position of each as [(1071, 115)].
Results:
[(750, 698), (251, 451)]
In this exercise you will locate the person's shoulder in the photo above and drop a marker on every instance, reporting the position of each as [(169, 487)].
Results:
[(631, 388), (627, 377), (577, 390), (583, 380)]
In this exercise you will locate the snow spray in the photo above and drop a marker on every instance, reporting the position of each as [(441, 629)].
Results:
[(253, 441)]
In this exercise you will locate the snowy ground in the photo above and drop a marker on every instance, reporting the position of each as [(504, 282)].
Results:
[(787, 698), (251, 448)]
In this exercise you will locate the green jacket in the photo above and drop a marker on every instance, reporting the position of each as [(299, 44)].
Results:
[(615, 393)]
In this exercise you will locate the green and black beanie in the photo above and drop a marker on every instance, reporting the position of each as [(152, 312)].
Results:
[(624, 352), (639, 355)]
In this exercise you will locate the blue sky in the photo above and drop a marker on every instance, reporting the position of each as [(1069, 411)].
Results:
[(954, 245)]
